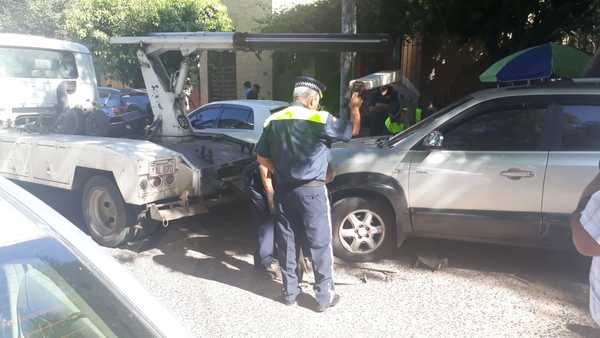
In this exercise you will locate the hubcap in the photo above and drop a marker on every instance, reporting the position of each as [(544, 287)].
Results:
[(362, 231), (102, 212)]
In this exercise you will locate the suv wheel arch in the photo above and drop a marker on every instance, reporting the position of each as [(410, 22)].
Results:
[(382, 187)]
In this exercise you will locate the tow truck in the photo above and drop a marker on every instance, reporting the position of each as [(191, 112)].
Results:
[(128, 186)]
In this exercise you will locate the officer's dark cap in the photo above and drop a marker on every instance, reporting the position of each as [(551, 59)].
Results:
[(311, 83)]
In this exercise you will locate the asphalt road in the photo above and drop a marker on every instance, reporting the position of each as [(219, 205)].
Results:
[(201, 268)]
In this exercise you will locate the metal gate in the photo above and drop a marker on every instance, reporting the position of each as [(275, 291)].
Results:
[(221, 76)]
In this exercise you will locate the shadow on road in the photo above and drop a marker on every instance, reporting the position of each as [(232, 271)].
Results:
[(528, 271), (209, 249), (584, 330)]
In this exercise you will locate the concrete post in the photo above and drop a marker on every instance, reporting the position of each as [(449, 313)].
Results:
[(203, 74)]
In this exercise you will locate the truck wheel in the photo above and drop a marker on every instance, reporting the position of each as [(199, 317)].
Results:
[(105, 213), (69, 122), (362, 228), (97, 124)]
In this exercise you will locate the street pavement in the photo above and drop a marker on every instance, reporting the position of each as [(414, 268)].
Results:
[(201, 269)]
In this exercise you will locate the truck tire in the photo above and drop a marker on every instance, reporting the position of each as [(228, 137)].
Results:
[(97, 124), (362, 228), (69, 122), (107, 217)]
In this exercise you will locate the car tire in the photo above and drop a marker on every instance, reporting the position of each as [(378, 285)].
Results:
[(97, 124), (108, 219), (362, 228)]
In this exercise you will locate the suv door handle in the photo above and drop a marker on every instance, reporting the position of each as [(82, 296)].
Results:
[(517, 174)]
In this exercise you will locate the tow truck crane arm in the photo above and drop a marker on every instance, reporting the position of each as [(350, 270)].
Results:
[(166, 98)]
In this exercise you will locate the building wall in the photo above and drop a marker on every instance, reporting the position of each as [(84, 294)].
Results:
[(244, 14)]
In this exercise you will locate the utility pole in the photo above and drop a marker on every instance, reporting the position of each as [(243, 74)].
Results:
[(346, 58)]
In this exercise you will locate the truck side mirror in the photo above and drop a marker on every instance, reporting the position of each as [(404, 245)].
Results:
[(435, 139)]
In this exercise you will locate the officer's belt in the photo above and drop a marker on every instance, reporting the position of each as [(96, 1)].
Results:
[(313, 183), (303, 184)]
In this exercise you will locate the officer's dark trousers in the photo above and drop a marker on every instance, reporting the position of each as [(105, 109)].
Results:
[(303, 214), (263, 222)]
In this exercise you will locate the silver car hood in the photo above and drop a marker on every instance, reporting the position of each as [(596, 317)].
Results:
[(364, 155)]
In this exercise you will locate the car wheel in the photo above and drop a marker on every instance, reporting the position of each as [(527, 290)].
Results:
[(362, 228), (105, 213), (97, 124)]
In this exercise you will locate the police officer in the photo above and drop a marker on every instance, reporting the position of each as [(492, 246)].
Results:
[(259, 188), (294, 145)]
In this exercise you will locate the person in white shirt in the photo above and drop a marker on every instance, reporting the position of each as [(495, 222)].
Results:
[(585, 228)]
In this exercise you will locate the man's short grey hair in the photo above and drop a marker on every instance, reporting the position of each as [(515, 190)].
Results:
[(305, 93)]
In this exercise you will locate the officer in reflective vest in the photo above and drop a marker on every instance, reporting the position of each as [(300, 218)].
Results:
[(294, 146), (398, 124)]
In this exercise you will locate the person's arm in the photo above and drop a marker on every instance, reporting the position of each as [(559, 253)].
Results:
[(330, 176), (263, 149), (265, 162), (355, 104), (584, 243), (266, 178)]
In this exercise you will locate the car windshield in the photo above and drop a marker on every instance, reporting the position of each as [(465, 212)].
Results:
[(426, 122), (45, 291)]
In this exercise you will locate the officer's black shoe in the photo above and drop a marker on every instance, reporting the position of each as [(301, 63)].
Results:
[(286, 301), (324, 307)]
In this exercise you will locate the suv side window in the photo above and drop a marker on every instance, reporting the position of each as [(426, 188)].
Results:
[(236, 118), (579, 123), (498, 125), (205, 118)]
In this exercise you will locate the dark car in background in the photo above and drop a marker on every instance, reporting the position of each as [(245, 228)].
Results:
[(124, 109)]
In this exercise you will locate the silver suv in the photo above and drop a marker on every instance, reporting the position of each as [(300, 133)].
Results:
[(503, 166)]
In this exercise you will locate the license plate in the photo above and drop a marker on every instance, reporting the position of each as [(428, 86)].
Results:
[(160, 168)]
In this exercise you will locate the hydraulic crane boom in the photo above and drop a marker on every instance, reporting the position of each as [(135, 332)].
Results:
[(166, 97)]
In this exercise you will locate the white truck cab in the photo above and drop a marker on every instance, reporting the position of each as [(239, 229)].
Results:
[(32, 71)]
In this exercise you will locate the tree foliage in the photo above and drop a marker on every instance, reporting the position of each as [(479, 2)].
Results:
[(460, 38), (38, 17), (94, 22)]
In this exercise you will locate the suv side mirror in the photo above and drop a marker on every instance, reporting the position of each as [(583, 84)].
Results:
[(435, 139)]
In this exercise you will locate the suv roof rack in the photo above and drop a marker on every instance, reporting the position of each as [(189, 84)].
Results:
[(558, 83)]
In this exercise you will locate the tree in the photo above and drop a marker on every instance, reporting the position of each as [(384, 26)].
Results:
[(460, 37), (94, 22), (37, 17)]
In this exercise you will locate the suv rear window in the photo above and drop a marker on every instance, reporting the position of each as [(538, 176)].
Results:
[(580, 127), (37, 63), (499, 125)]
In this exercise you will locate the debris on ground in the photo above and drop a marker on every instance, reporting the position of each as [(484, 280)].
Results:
[(433, 263)]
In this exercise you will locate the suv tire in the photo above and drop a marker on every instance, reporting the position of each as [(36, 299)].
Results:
[(362, 228)]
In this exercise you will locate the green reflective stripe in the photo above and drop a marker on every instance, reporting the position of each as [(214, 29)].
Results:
[(418, 114), (298, 113), (392, 126)]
